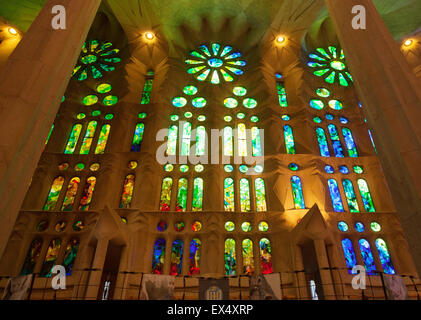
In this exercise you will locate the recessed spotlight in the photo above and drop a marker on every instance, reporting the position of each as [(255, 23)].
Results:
[(149, 35), (281, 39), (13, 31), (408, 42)]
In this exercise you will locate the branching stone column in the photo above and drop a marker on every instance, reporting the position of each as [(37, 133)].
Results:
[(391, 96), (32, 84)]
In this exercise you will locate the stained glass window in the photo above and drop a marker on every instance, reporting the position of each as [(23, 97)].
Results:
[(89, 136), (265, 256), (367, 256), (282, 94), (244, 195), (350, 143), (230, 257), (289, 140), (172, 141), (228, 142), (343, 226), (88, 191), (321, 139), (248, 259), (127, 194), (55, 190), (103, 138), (200, 141), (242, 140), (259, 186), (147, 90), (350, 196), (50, 258), (73, 139), (49, 134), (195, 246), (229, 194), (165, 202), (297, 192), (336, 142), (197, 194), (32, 257), (372, 140), (349, 253), (185, 142), (384, 256), (182, 195), (366, 195), (70, 256), (138, 137), (256, 142), (158, 257), (335, 196), (176, 257), (69, 199)]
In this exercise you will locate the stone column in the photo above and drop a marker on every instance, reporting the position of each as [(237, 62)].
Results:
[(32, 83), (391, 96)]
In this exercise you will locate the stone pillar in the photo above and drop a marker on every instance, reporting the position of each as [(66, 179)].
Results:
[(324, 268), (391, 96), (32, 83), (98, 263)]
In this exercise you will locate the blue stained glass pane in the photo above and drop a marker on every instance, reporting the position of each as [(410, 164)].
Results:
[(297, 192), (384, 256), (372, 140), (176, 257), (289, 140), (359, 226), (334, 136), (349, 254), (158, 257), (321, 138), (342, 226), (367, 256), (343, 169), (350, 143), (335, 196), (138, 137), (350, 196), (329, 169)]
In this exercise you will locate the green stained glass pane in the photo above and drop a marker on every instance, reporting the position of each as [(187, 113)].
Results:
[(229, 194), (331, 77), (317, 104), (81, 116), (89, 59), (79, 167), (110, 100), (246, 226), (197, 194), (323, 92), (342, 81), (215, 48), (73, 139), (90, 100), (168, 167), (54, 194), (103, 138), (236, 71), (112, 60), (282, 94), (227, 118), (104, 88), (109, 116), (241, 115), (201, 118), (190, 90), (75, 70), (323, 52), (254, 119), (195, 69), (285, 117), (179, 102), (205, 50), (335, 104), (174, 117), (256, 142), (83, 75), (188, 114), (184, 168), (185, 142), (228, 168), (193, 61), (259, 186), (249, 103), (203, 75), (200, 141), (243, 168), (247, 251), (89, 136), (349, 75), (297, 192), (227, 77), (182, 195), (110, 53), (96, 113), (350, 196), (147, 91), (165, 201), (366, 195), (199, 168), (238, 63), (263, 226), (316, 57), (138, 137), (317, 119), (226, 50), (334, 52), (239, 91), (229, 226), (96, 74), (230, 103), (289, 140), (199, 102), (313, 64), (71, 194), (337, 65), (172, 140), (375, 226), (242, 142), (230, 258), (215, 77), (321, 73), (106, 67), (358, 169), (197, 55)]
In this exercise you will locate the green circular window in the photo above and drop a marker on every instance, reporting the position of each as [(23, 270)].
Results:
[(184, 168), (229, 226), (199, 168), (241, 115), (230, 103), (81, 116), (188, 114), (190, 90), (227, 118), (90, 100), (254, 119), (179, 102), (263, 226), (317, 119), (201, 118), (109, 116), (228, 168), (142, 115), (110, 100), (317, 104), (169, 167), (96, 113), (79, 167), (239, 91), (104, 88), (323, 92), (249, 103), (375, 226), (199, 102), (246, 226), (243, 168), (174, 117)]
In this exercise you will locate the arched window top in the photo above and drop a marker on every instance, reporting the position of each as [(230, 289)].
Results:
[(321, 139), (349, 253), (127, 194), (229, 204), (367, 256), (297, 191), (55, 190), (197, 194), (366, 195), (266, 256), (259, 186), (244, 195), (384, 256), (335, 195), (166, 194), (248, 258), (158, 258), (289, 139)]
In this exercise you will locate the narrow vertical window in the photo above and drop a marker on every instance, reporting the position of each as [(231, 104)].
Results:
[(49, 134), (282, 94), (248, 259), (55, 190), (158, 258), (147, 89), (350, 196), (350, 143), (185, 142), (165, 202), (321, 139), (197, 194), (266, 256), (289, 140), (244, 195), (242, 140), (335, 195), (127, 194), (89, 136), (138, 137), (372, 140), (194, 258), (182, 195), (229, 194), (259, 186), (366, 195), (367, 256), (200, 141), (31, 257), (50, 258), (172, 141), (103, 139), (349, 253), (230, 257), (88, 191), (297, 192), (176, 257), (256, 142), (336, 142), (70, 256), (228, 142), (69, 199), (73, 139), (384, 256)]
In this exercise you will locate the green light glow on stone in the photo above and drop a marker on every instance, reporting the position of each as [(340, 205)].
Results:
[(90, 100)]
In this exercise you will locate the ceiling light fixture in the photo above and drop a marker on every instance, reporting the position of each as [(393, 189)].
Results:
[(149, 35), (408, 42), (13, 31), (281, 39)]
